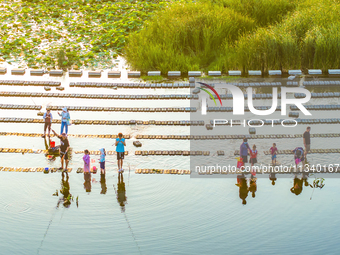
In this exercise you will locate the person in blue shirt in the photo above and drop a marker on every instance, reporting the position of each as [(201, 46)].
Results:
[(120, 143), (102, 161), (65, 117), (244, 150), (48, 122)]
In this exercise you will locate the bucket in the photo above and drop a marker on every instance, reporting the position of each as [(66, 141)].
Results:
[(52, 144), (94, 170)]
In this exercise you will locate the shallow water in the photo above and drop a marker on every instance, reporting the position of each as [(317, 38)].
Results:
[(164, 214)]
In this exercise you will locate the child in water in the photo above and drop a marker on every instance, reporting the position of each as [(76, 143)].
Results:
[(102, 160), (86, 159), (253, 158), (273, 152)]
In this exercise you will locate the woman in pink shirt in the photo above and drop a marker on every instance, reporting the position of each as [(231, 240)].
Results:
[(86, 159)]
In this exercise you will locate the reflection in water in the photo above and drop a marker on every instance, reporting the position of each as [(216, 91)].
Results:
[(121, 192), (252, 186), (121, 198), (65, 191), (272, 177), (87, 182), (243, 185), (298, 184), (103, 184)]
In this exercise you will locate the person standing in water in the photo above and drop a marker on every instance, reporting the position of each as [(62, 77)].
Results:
[(86, 159), (306, 141), (244, 151), (273, 152), (120, 149), (64, 147), (102, 161), (48, 122), (299, 156), (65, 117)]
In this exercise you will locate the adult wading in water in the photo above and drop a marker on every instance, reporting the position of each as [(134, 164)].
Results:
[(48, 122), (65, 117), (64, 147)]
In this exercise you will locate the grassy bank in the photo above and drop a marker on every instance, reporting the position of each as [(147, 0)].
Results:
[(173, 35), (242, 35)]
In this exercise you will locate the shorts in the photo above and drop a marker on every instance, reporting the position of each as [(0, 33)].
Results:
[(102, 165), (47, 125), (120, 155), (245, 159), (273, 156), (253, 160), (62, 153), (307, 147)]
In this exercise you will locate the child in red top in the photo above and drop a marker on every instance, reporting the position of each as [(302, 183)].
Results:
[(253, 155), (273, 151)]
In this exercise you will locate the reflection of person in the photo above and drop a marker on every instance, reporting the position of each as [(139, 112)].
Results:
[(305, 179), (86, 159), (120, 143), (65, 190), (103, 184), (272, 177), (48, 122), (297, 188), (273, 152), (252, 186), (243, 188), (65, 117), (64, 147), (121, 192), (306, 141), (244, 150), (299, 156), (87, 181)]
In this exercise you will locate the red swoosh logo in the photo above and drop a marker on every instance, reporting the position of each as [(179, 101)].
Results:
[(213, 90)]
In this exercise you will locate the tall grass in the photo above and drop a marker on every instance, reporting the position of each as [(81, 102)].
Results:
[(264, 12), (185, 37), (240, 34)]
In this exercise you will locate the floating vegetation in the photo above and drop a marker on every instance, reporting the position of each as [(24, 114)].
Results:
[(69, 33)]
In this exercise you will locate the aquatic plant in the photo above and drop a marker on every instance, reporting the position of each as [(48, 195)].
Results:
[(90, 32)]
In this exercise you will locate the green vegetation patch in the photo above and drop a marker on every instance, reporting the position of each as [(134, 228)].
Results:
[(66, 33), (186, 36), (240, 35)]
